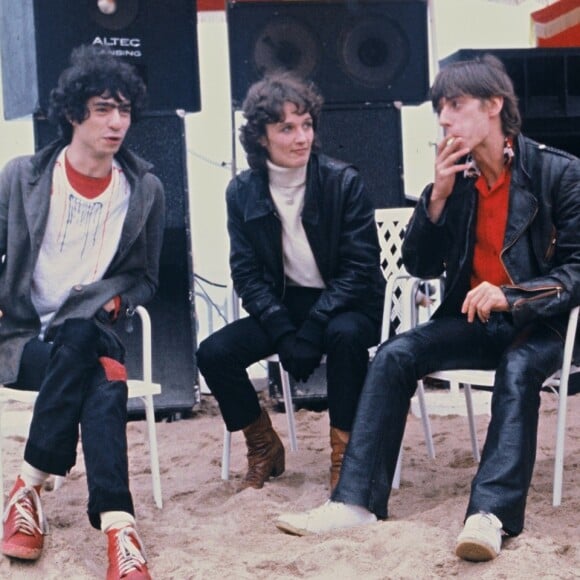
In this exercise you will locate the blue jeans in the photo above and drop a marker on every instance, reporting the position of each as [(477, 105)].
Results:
[(523, 359), (79, 381)]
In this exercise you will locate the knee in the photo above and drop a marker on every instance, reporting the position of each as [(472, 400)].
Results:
[(78, 335), (344, 331), (394, 355), (518, 373), (209, 353)]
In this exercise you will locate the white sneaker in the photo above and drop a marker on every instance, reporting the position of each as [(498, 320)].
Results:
[(480, 539), (328, 517)]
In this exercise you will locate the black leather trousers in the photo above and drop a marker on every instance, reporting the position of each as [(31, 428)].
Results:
[(523, 359)]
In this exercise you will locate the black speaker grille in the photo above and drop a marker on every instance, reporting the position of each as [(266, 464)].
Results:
[(369, 138), (375, 51), (369, 51)]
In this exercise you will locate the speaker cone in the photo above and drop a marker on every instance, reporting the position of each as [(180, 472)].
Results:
[(374, 50), (125, 13), (287, 45)]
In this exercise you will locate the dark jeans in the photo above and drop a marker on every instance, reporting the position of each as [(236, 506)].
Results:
[(523, 360), (223, 357), (76, 388)]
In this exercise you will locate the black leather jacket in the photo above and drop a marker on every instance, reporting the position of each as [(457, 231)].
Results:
[(541, 250), (339, 224)]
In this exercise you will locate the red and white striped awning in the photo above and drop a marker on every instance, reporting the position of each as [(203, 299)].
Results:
[(557, 24)]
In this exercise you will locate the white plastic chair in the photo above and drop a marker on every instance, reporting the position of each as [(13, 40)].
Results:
[(143, 388), (557, 383)]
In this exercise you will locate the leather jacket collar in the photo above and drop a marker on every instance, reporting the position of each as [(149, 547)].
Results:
[(260, 203)]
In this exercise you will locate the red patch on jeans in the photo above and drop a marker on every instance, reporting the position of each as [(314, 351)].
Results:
[(114, 370)]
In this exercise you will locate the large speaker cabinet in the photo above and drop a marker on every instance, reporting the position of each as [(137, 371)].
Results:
[(159, 37), (369, 138), (160, 139), (356, 51)]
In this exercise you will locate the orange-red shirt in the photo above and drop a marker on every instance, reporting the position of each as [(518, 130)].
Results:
[(492, 211)]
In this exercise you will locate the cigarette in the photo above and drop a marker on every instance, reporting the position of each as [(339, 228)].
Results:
[(450, 141)]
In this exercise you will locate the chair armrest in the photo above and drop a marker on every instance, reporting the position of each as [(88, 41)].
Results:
[(146, 343)]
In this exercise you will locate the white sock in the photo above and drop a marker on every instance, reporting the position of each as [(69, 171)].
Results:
[(116, 520), (32, 476)]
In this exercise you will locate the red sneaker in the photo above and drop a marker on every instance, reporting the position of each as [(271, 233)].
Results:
[(24, 523), (126, 555)]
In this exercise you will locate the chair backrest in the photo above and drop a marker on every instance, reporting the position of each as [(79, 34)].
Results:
[(391, 224)]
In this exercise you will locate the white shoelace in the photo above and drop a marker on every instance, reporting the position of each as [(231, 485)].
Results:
[(129, 556), (26, 501)]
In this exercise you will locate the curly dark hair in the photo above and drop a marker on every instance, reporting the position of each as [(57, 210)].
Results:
[(482, 77), (94, 71), (264, 104)]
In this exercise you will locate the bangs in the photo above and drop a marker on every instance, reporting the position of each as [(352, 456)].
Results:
[(461, 80)]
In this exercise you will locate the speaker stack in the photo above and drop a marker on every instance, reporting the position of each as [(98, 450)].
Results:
[(159, 37), (547, 83), (367, 57)]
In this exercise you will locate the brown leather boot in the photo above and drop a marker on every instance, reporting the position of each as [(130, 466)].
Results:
[(338, 442), (266, 457)]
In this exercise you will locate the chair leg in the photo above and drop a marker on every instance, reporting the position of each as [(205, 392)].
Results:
[(289, 405), (562, 405), (426, 432), (153, 451), (226, 454), (425, 420), (397, 476), (560, 437), (471, 421)]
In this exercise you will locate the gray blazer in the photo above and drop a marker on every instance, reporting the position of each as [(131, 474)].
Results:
[(25, 185)]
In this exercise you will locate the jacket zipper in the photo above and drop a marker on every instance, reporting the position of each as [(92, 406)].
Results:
[(508, 247), (550, 251), (550, 290), (282, 257)]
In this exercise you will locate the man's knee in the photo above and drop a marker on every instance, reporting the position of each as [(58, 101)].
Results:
[(86, 339), (78, 333), (76, 340), (396, 355), (521, 371)]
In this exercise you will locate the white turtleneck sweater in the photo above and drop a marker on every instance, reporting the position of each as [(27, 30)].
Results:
[(287, 188)]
